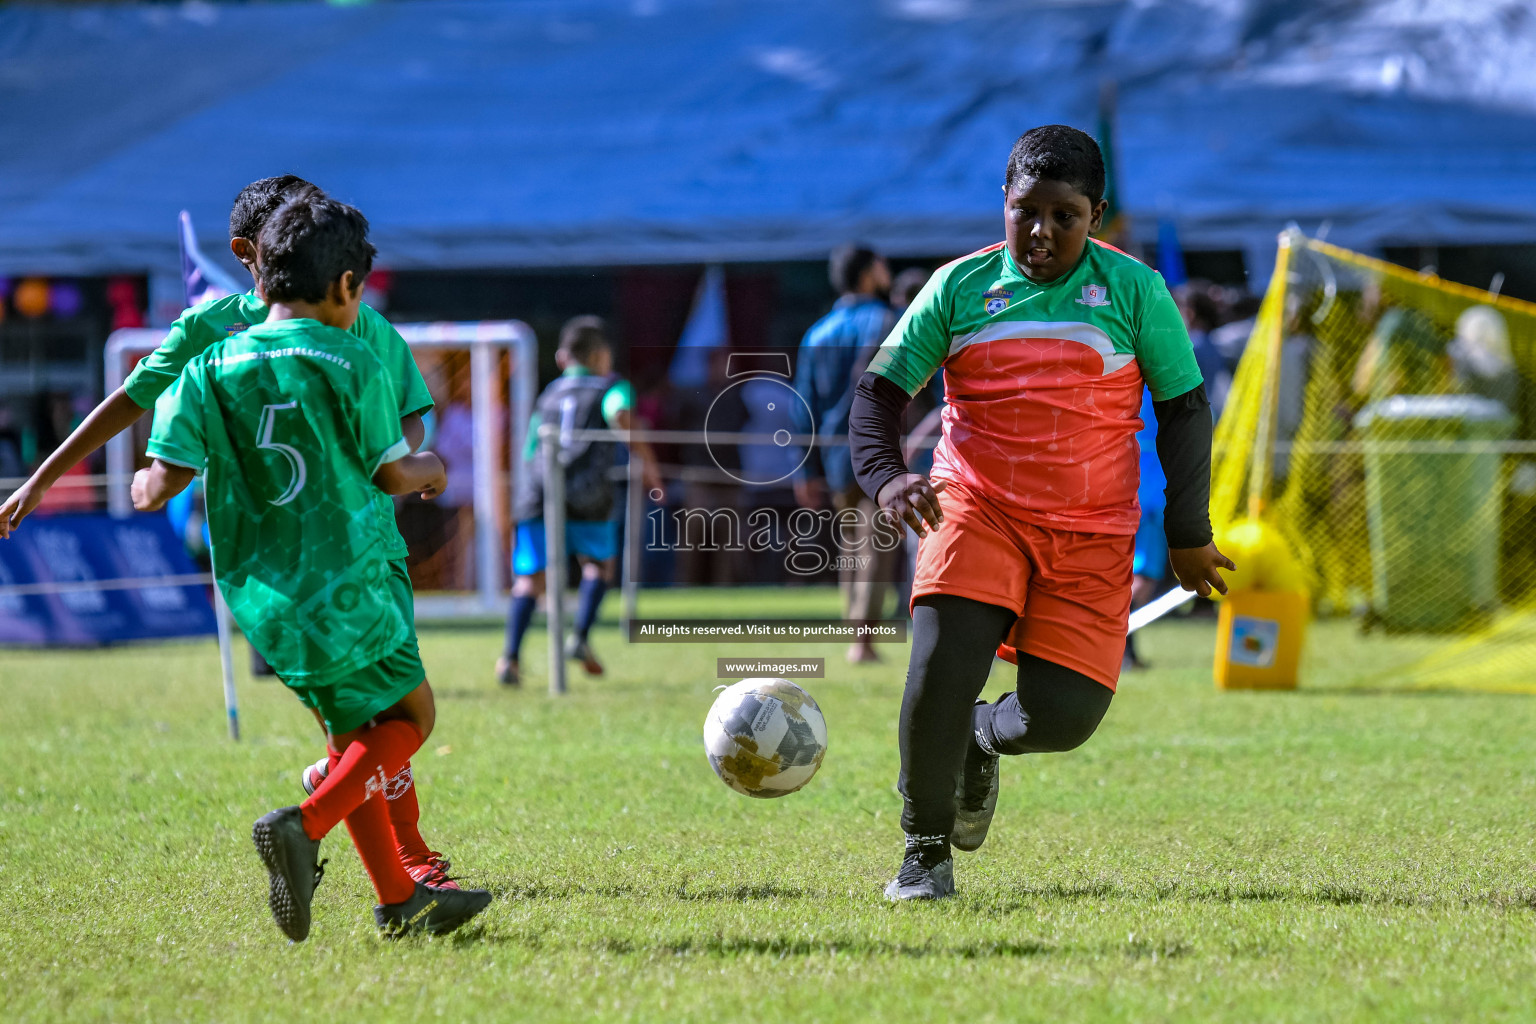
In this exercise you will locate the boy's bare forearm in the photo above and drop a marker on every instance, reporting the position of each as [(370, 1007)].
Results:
[(159, 483), (413, 429), (646, 455), (421, 469), (641, 452), (419, 473)]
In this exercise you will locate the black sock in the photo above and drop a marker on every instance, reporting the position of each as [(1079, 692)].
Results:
[(517, 623), (1054, 708), (587, 601), (1130, 648), (953, 643), (932, 849)]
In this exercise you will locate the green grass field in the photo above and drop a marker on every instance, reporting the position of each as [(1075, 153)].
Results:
[(1318, 855)]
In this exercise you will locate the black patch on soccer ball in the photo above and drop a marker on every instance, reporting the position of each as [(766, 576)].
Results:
[(799, 745), (739, 721)]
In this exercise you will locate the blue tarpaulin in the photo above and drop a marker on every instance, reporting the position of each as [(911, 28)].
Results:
[(503, 134)]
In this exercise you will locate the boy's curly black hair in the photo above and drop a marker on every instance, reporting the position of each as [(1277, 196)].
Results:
[(1058, 152), (260, 199), (307, 244)]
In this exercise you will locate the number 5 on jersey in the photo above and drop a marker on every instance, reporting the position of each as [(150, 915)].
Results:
[(295, 459)]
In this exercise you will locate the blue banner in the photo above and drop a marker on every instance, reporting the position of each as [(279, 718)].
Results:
[(69, 550)]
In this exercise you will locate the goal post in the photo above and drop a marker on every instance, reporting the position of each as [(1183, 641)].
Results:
[(500, 358), (1383, 422)]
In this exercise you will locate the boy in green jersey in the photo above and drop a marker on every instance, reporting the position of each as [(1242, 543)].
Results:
[(293, 424), (587, 396), (195, 330)]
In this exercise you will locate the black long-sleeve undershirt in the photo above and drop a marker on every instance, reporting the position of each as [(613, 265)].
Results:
[(874, 432), (1183, 447)]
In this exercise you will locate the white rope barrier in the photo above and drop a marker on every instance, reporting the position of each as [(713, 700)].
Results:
[(132, 583)]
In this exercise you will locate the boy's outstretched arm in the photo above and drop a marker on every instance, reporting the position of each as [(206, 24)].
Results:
[(1184, 449), (422, 473), (115, 414), (162, 481)]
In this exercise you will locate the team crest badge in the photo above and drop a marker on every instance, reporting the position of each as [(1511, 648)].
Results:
[(997, 300), (230, 330), (1094, 295)]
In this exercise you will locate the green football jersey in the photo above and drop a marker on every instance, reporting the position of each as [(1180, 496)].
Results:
[(1043, 382), (288, 422), (217, 319)]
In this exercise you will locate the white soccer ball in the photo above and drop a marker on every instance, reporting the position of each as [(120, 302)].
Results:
[(765, 737)]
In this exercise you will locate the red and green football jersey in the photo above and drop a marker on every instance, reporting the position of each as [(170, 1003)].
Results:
[(288, 422), (218, 319), (1043, 381)]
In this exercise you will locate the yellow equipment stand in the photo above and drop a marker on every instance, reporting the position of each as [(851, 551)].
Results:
[(1259, 639)]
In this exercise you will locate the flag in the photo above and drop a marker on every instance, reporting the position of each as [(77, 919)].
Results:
[(705, 331), (202, 279)]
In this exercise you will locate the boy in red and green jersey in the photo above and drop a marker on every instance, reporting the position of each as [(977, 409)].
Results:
[(1044, 380), (193, 332), (1027, 526), (294, 426)]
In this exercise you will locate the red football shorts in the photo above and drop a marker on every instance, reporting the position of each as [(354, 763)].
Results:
[(1071, 591)]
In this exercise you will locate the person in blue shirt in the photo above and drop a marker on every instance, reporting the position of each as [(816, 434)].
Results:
[(833, 354)]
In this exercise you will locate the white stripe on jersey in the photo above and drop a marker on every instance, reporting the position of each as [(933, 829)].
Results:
[(1067, 330)]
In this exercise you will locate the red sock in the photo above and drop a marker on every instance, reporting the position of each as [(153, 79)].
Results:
[(375, 842), (365, 768), (404, 813)]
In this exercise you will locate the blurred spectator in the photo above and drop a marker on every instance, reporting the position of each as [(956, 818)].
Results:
[(64, 413), (906, 286), (1406, 355), (711, 480), (455, 445), (11, 464), (829, 367), (587, 396), (439, 533), (1201, 316), (767, 413), (1481, 359), (1231, 338)]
